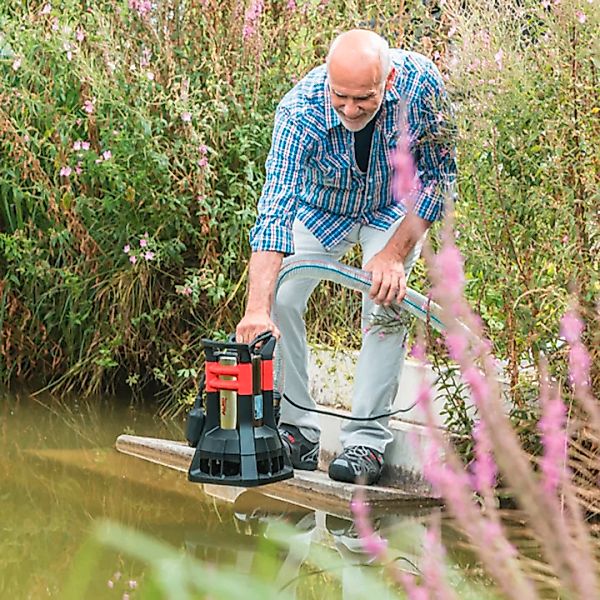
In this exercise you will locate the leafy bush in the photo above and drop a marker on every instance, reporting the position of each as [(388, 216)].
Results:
[(141, 128)]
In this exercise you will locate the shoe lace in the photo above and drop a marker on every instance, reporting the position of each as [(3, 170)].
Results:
[(361, 453)]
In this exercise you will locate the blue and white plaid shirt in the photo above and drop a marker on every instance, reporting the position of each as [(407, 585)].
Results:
[(311, 171)]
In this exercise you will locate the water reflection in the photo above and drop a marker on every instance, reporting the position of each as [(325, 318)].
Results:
[(257, 515), (59, 473)]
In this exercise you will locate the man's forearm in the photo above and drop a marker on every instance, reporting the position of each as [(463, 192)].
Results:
[(409, 232), (263, 270)]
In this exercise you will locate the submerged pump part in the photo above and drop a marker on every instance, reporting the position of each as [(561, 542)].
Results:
[(234, 429)]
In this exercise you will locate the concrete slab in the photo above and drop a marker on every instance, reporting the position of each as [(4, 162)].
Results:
[(331, 378), (309, 489)]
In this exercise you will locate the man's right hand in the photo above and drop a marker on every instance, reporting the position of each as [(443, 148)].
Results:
[(252, 325)]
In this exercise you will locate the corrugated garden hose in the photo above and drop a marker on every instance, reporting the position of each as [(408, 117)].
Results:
[(413, 303)]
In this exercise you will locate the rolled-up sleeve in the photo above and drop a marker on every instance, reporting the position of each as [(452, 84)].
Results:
[(435, 149), (283, 183)]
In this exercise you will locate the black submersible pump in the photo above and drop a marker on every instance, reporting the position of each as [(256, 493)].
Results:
[(232, 424)]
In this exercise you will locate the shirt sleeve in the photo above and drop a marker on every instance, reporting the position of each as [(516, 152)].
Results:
[(435, 149), (278, 202)]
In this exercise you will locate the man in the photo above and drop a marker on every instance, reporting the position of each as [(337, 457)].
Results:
[(328, 187)]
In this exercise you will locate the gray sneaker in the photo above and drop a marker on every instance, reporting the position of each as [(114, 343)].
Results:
[(304, 454), (357, 464)]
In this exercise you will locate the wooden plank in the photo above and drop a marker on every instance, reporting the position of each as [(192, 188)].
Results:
[(311, 489)]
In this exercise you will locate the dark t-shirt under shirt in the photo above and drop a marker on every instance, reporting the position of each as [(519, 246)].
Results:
[(362, 144)]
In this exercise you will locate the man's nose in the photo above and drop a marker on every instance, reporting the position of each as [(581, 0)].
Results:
[(351, 110)]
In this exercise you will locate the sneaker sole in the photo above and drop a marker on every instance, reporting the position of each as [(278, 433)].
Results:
[(341, 474), (305, 466)]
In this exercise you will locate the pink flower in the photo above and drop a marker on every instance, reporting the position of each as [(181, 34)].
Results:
[(418, 351), (65, 171), (546, 3), (46, 9), (474, 65), (142, 7), (554, 440), (433, 566), (126, 248), (133, 259), (579, 365), (405, 181), (498, 58), (78, 168), (478, 384), (143, 242), (203, 148), (424, 395), (413, 591), (146, 56), (85, 145), (149, 255), (110, 583), (186, 290), (150, 75), (291, 5), (252, 18), (456, 342), (80, 35), (186, 117), (455, 486), (54, 25), (449, 266), (372, 543), (132, 584), (88, 106), (16, 64), (580, 16), (484, 467), (203, 162), (571, 327), (493, 535), (107, 155), (77, 145)]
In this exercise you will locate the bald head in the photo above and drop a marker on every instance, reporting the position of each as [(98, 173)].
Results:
[(358, 73), (360, 51)]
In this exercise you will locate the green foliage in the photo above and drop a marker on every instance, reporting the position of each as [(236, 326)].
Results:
[(184, 106), (525, 81), (120, 130), (178, 575)]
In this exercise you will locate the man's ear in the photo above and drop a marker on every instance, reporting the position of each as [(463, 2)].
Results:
[(390, 78)]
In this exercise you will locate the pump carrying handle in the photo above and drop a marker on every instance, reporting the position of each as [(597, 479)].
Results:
[(266, 338)]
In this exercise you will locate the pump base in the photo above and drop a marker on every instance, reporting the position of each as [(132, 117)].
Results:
[(219, 458)]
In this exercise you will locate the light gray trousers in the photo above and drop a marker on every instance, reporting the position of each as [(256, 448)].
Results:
[(381, 357)]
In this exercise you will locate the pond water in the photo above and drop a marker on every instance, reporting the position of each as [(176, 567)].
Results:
[(60, 474)]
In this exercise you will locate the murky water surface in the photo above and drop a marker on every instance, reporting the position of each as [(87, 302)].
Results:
[(59, 475)]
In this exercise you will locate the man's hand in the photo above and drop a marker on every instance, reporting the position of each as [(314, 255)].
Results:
[(263, 270), (388, 278), (252, 325)]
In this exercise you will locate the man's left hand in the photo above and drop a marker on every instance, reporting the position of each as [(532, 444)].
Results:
[(388, 278)]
